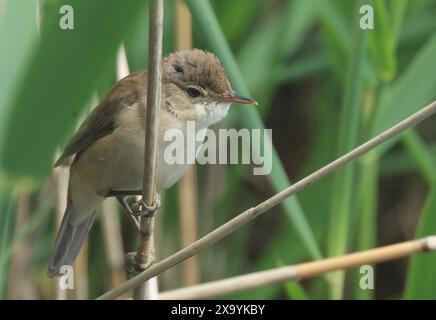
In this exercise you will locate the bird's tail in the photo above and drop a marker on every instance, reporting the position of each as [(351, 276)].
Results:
[(69, 240)]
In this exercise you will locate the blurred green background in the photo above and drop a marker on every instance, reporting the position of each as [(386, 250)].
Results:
[(323, 85)]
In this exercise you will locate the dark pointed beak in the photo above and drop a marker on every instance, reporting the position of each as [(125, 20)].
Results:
[(237, 98)]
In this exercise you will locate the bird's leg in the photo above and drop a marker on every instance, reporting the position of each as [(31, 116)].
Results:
[(139, 208), (128, 211), (149, 211), (146, 254), (135, 263)]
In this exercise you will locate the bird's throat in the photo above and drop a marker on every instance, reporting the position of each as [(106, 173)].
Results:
[(208, 114)]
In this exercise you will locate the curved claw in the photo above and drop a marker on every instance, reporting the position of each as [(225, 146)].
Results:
[(140, 208)]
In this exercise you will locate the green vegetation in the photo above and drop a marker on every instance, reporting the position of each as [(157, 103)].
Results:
[(324, 86)]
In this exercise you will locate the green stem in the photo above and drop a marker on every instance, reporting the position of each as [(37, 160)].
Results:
[(344, 178), (368, 186)]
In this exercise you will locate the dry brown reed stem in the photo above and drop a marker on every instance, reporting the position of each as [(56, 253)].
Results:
[(251, 213), (81, 283), (23, 287), (154, 81), (113, 242), (188, 210), (188, 223), (122, 63), (300, 271)]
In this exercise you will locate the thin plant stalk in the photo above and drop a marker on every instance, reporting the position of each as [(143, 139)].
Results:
[(113, 242), (122, 63), (188, 222), (188, 208), (81, 283), (22, 286), (146, 243), (300, 271), (368, 192)]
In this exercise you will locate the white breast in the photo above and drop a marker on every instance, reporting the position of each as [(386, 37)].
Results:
[(210, 114)]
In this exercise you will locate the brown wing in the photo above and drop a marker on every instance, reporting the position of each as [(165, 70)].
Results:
[(101, 121)]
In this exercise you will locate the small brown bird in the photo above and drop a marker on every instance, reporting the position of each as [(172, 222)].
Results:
[(109, 145)]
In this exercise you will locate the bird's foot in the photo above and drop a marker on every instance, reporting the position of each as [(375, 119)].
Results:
[(130, 262), (140, 208), (134, 265)]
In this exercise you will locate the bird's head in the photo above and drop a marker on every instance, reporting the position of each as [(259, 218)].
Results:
[(197, 87)]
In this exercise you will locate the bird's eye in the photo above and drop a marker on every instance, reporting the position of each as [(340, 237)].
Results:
[(194, 92)]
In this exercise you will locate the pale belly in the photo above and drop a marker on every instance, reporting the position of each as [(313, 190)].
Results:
[(128, 164)]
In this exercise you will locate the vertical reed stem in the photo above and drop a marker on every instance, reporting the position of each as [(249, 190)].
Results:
[(146, 244), (188, 210)]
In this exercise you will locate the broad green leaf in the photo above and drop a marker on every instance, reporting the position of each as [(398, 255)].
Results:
[(416, 30), (13, 56), (16, 47), (64, 70)]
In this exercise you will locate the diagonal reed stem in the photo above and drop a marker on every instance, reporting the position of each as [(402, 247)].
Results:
[(297, 272), (251, 213)]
